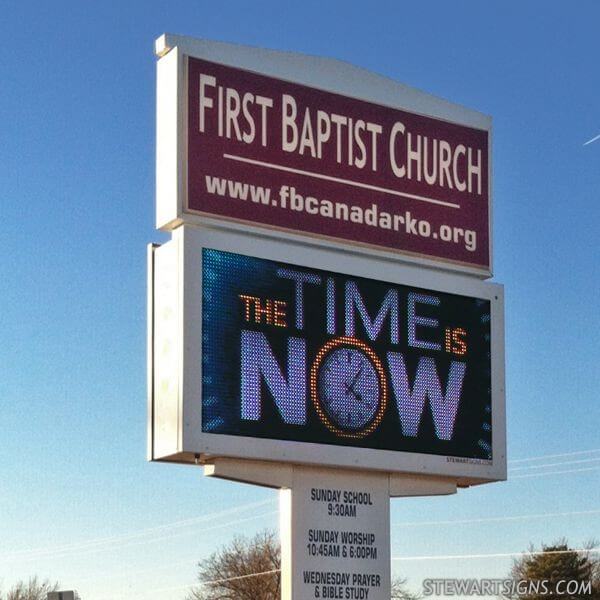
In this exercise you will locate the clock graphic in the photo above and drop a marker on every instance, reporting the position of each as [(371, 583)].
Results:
[(348, 387)]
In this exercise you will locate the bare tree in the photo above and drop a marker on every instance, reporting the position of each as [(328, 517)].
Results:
[(401, 592), (33, 589), (246, 569)]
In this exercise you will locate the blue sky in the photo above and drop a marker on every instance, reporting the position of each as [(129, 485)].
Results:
[(77, 200)]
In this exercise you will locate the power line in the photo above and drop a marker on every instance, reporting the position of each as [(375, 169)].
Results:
[(166, 565), (401, 524), (556, 464), (555, 473), (399, 558), (546, 456), (189, 585), (493, 555), (129, 538), (496, 519), (122, 539), (139, 542), (226, 579)]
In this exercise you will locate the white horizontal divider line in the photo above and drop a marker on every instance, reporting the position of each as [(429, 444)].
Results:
[(366, 186)]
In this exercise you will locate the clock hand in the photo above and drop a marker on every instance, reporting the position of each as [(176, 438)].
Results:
[(354, 393), (355, 379)]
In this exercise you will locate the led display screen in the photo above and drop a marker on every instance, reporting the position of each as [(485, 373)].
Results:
[(299, 353)]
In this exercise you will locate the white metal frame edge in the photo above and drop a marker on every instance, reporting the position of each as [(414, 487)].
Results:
[(204, 447)]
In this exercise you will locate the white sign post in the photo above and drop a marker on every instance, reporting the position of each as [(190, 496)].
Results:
[(335, 536)]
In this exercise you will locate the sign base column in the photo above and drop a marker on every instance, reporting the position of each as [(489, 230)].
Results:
[(335, 535)]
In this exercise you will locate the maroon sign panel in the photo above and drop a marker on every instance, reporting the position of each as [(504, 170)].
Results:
[(283, 155)]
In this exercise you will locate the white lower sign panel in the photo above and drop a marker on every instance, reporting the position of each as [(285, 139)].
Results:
[(335, 536)]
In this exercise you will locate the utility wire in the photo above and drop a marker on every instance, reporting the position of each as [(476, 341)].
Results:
[(96, 544), (133, 538), (494, 555), (556, 464), (399, 558), (164, 565), (189, 585), (226, 579), (544, 457), (196, 520), (119, 539), (495, 519), (400, 524), (555, 473), (129, 543)]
